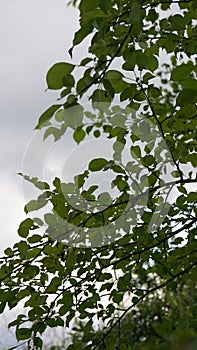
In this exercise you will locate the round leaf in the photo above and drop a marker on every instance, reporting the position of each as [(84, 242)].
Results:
[(56, 74)]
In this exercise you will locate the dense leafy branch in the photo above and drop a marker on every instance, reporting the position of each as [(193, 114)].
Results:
[(162, 285), (125, 265)]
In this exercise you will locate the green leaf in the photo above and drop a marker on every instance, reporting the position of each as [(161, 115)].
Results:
[(64, 92), (87, 6), (46, 116), (54, 284), (153, 63), (34, 239), (9, 252), (148, 160), (23, 333), (80, 35), (34, 180), (193, 159), (57, 133), (106, 286), (25, 227), (68, 80), (152, 15), (181, 72), (36, 300), (124, 282), (104, 198), (115, 78), (104, 277), (85, 61), (128, 93), (83, 84), (177, 22), (135, 300), (135, 150), (97, 164), (57, 73), (67, 301), (33, 253), (73, 116), (192, 197), (190, 83), (119, 120), (117, 298), (97, 133), (134, 16), (101, 96), (2, 307), (30, 272), (92, 189), (148, 76), (38, 342), (187, 96), (71, 258), (80, 179), (79, 135), (36, 204), (23, 248)]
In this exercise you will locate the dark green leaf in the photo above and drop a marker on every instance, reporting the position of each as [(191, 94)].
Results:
[(46, 116), (97, 164), (25, 227), (57, 73), (23, 333)]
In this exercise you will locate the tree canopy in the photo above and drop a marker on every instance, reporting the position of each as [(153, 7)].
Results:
[(119, 264)]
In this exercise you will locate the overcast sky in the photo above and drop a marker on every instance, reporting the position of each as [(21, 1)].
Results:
[(34, 34)]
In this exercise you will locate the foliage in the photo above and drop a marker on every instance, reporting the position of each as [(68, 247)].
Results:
[(163, 320), (125, 263)]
